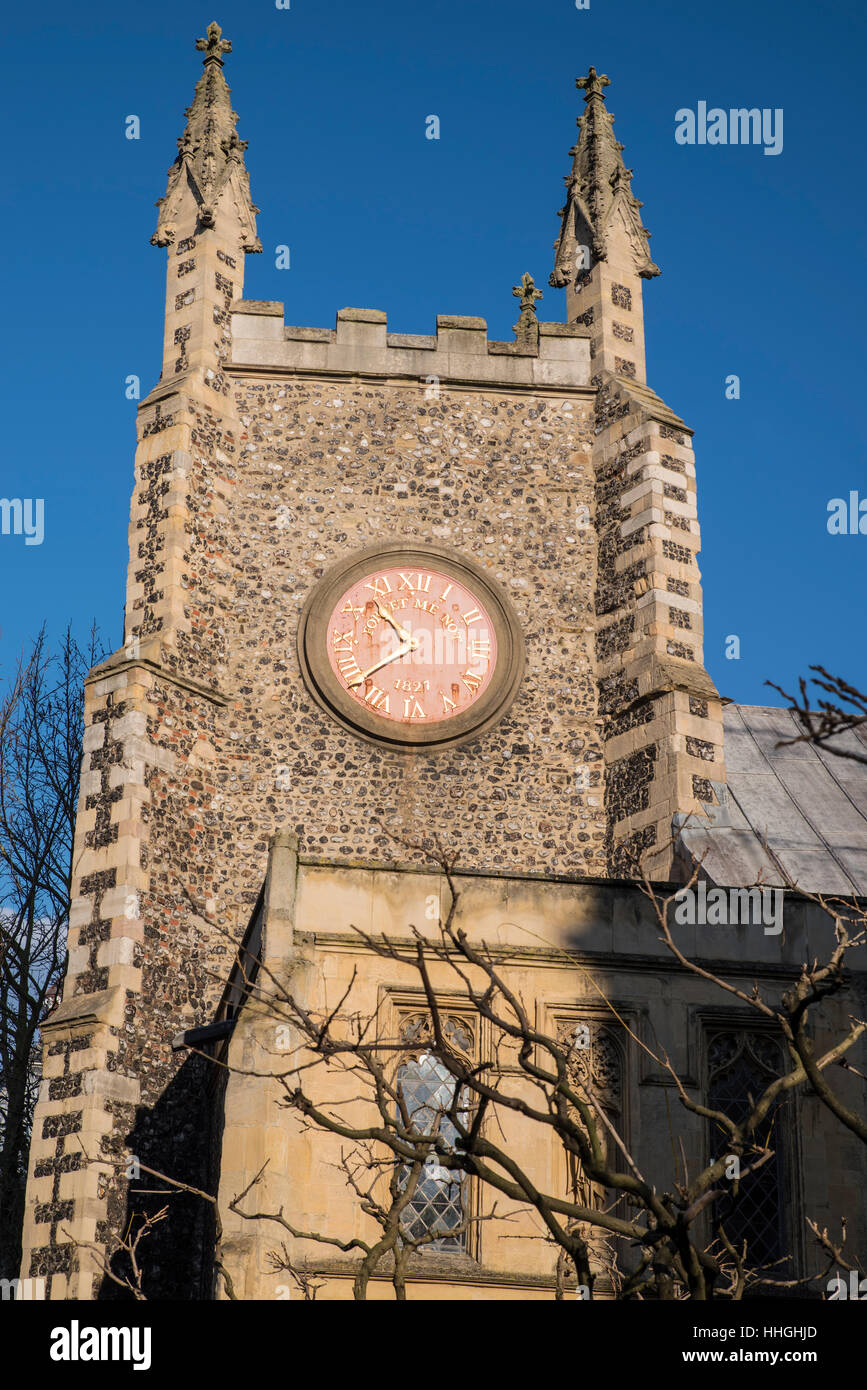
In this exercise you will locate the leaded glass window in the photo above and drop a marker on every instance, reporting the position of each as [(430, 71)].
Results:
[(437, 1206), (741, 1065)]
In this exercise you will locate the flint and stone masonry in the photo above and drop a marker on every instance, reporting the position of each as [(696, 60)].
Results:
[(267, 453)]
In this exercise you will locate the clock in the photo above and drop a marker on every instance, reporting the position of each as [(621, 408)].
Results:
[(411, 647)]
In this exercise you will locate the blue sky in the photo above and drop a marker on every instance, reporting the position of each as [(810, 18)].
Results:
[(761, 256)]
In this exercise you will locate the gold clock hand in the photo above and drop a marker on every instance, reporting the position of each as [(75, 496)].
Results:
[(409, 646), (401, 631)]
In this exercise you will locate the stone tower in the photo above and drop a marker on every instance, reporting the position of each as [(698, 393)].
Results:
[(542, 469)]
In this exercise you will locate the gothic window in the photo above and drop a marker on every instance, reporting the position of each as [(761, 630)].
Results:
[(596, 1073), (741, 1064), (596, 1063), (595, 1066), (438, 1207)]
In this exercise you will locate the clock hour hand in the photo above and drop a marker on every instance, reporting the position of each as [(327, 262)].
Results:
[(409, 646)]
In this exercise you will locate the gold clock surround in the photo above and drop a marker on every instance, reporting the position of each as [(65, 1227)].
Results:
[(359, 718)]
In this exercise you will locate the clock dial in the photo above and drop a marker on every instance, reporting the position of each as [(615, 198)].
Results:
[(412, 644), (411, 648)]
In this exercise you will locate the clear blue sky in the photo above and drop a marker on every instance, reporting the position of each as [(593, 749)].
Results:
[(762, 257)]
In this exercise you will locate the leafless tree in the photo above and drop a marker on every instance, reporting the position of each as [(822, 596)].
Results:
[(119, 1259), (669, 1244), (126, 1245), (816, 983), (674, 1243), (368, 1175), (40, 759), (845, 711)]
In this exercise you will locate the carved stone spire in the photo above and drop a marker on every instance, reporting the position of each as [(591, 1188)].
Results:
[(210, 161), (602, 250), (599, 198)]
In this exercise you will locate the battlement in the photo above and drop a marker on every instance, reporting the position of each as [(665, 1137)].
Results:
[(459, 351)]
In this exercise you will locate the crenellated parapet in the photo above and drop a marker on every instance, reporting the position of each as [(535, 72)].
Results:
[(459, 351)]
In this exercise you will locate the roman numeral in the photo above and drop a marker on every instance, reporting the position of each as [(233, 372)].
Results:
[(344, 639), (413, 710), (380, 586), (480, 649), (447, 703), (471, 682), (377, 699), (422, 582), (348, 667), (473, 616), (446, 591)]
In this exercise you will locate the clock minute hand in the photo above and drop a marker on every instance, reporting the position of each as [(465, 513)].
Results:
[(389, 618), (409, 646)]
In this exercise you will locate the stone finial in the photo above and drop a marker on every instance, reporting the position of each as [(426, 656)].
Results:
[(592, 84), (600, 203), (526, 330), (214, 46), (210, 160)]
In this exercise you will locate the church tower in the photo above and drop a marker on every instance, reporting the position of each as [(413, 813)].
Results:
[(381, 586)]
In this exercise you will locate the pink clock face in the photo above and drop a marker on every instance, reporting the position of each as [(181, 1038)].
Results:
[(414, 645)]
